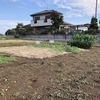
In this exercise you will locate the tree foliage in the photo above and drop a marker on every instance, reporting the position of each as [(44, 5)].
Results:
[(28, 29), (20, 29), (10, 32), (82, 41), (57, 19), (94, 23)]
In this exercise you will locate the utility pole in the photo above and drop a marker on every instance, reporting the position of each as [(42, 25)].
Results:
[(96, 9)]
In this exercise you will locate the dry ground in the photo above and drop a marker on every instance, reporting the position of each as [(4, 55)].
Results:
[(62, 77), (30, 51)]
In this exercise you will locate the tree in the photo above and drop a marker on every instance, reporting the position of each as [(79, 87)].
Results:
[(28, 29), (57, 19), (94, 24), (20, 29), (19, 25), (10, 32)]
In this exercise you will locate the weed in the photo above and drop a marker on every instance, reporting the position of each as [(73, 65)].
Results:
[(2, 92), (16, 94), (58, 47), (95, 64), (59, 70), (50, 80), (35, 96), (72, 49), (39, 97), (65, 79), (4, 58), (80, 98)]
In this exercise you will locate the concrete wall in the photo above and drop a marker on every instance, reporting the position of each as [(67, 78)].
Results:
[(47, 37), (64, 37)]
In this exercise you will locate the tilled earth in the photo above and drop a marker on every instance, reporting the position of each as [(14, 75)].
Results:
[(64, 77)]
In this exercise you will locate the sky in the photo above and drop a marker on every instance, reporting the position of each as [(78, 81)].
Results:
[(75, 12)]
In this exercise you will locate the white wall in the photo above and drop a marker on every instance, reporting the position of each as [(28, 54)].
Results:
[(42, 17), (41, 22)]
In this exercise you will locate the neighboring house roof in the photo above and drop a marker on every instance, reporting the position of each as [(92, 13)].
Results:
[(82, 25), (44, 12), (28, 25), (66, 23)]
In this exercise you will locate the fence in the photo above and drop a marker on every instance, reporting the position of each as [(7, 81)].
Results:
[(64, 37)]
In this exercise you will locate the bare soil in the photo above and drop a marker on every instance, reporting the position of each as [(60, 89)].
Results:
[(29, 51), (58, 77)]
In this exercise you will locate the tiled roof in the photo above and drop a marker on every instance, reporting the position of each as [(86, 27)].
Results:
[(66, 23), (44, 12)]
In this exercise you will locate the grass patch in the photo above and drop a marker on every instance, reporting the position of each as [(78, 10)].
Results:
[(15, 44), (58, 47), (7, 37), (5, 58), (72, 49), (8, 43)]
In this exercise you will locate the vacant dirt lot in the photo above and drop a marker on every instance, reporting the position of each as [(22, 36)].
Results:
[(28, 51), (64, 77)]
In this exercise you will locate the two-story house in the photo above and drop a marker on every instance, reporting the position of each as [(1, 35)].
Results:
[(41, 20)]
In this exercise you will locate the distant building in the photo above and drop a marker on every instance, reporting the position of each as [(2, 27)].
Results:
[(42, 20), (82, 26)]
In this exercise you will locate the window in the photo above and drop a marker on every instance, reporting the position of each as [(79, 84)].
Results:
[(47, 17), (36, 18)]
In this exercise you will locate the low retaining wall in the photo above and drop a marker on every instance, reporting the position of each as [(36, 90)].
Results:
[(64, 37), (47, 37)]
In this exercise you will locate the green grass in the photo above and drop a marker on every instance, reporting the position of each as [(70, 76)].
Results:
[(9, 44), (7, 37), (5, 58), (72, 49), (58, 47)]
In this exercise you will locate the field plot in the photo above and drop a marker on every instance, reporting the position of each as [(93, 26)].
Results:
[(68, 76)]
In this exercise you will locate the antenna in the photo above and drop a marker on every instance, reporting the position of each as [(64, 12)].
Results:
[(47, 4)]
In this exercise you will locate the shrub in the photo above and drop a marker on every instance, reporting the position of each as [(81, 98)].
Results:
[(91, 31), (43, 32), (82, 41), (60, 32)]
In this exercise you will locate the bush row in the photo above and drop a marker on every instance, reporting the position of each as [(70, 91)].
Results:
[(82, 41)]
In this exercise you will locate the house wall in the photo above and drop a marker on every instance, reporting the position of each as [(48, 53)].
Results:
[(41, 22)]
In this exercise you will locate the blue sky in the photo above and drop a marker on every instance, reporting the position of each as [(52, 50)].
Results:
[(16, 11)]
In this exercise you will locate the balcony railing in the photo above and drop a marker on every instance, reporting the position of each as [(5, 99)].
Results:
[(41, 22)]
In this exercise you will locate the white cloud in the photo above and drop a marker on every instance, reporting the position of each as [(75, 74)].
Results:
[(40, 4), (73, 13), (87, 7), (9, 24)]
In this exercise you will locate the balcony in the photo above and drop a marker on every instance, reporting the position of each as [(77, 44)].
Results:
[(41, 23)]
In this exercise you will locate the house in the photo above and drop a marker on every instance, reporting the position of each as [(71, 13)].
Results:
[(41, 20), (82, 26), (66, 26)]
